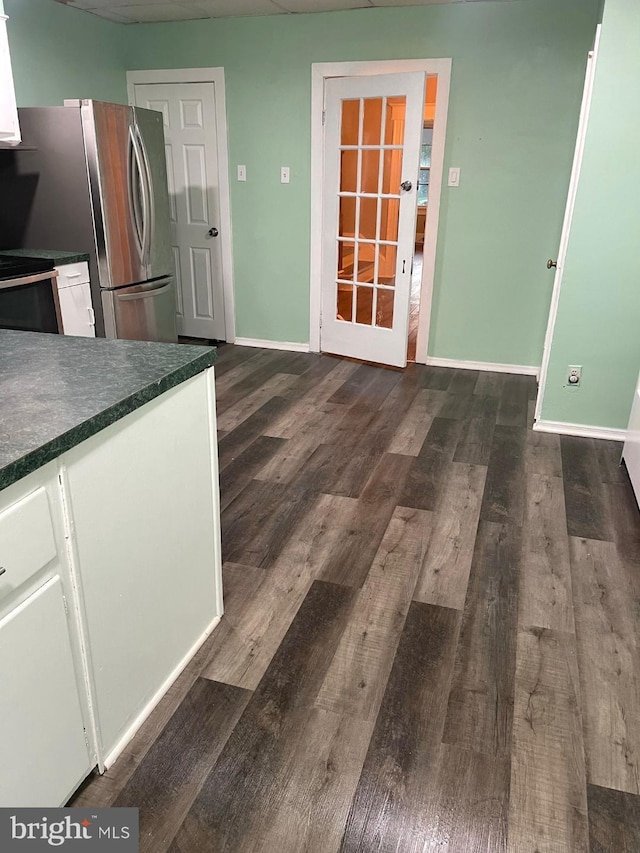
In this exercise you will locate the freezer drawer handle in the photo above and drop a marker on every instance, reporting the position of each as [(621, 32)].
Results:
[(144, 294)]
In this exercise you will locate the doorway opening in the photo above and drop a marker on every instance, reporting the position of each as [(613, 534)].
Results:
[(424, 175)]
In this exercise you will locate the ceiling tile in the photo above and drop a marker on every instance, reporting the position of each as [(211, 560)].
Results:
[(322, 5), (413, 2), (233, 8), (143, 13)]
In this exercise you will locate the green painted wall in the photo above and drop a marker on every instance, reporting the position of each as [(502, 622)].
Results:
[(58, 52), (597, 324), (518, 69)]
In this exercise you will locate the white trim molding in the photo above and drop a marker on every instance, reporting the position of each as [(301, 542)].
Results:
[(581, 430), (215, 76), (491, 366), (283, 345), (323, 70)]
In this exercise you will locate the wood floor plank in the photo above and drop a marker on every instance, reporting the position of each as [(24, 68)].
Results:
[(445, 570), (489, 384), (351, 559), (239, 582), (457, 406), (476, 435), (296, 451), (437, 378), (428, 470), (246, 406), (464, 382), (167, 781), (357, 385), (513, 407), (614, 821), (548, 809), (230, 357), (609, 454), (244, 467), (358, 674), (311, 792), (335, 470), (226, 814), (415, 425), (467, 803), (232, 445), (387, 807), (607, 638), (251, 633), (542, 454), (253, 374), (480, 707), (545, 592), (258, 524), (504, 490), (585, 503)]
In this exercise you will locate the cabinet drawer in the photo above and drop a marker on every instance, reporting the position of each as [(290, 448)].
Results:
[(70, 274), (27, 542)]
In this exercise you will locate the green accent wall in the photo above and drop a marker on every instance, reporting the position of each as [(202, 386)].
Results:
[(58, 52), (599, 308), (518, 69)]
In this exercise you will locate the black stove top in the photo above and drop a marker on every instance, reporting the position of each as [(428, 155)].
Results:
[(16, 267)]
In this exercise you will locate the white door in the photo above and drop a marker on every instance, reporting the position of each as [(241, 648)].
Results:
[(192, 173), (373, 128)]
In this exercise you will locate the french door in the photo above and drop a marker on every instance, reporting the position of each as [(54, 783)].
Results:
[(373, 129)]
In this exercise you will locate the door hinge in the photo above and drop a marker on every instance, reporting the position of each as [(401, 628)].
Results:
[(66, 606), (324, 116)]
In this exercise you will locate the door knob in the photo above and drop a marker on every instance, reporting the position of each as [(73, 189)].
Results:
[(406, 186), (213, 232), (551, 264)]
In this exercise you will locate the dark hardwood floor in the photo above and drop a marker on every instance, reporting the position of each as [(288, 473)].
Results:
[(431, 639)]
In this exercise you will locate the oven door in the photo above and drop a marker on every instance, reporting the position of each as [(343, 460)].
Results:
[(30, 304)]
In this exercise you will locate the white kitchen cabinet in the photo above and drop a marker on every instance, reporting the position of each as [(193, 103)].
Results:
[(74, 296), (44, 754), (143, 496), (9, 127), (43, 751)]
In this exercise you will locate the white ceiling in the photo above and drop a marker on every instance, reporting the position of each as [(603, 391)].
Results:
[(152, 11)]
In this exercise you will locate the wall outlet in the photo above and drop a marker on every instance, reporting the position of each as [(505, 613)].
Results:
[(574, 375), (284, 174), (242, 173), (454, 177)]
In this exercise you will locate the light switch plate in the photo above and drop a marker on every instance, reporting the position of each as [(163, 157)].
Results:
[(242, 173), (454, 177), (284, 174)]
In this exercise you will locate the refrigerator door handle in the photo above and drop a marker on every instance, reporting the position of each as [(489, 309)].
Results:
[(148, 193), (137, 196), (145, 291)]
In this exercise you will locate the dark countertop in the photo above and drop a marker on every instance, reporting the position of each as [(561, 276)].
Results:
[(56, 390), (60, 257)]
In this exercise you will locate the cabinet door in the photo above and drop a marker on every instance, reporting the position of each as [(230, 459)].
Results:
[(144, 500), (9, 128), (43, 751), (77, 314)]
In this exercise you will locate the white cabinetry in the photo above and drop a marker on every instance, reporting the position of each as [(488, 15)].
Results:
[(44, 754), (9, 127), (74, 295), (144, 502), (631, 449)]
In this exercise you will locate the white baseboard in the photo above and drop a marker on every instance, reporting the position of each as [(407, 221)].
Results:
[(491, 366), (283, 345), (581, 430), (157, 696)]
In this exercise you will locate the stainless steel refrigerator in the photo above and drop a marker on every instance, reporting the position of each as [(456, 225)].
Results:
[(91, 177)]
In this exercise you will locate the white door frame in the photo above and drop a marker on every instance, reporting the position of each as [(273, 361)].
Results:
[(583, 124), (215, 76), (319, 72)]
